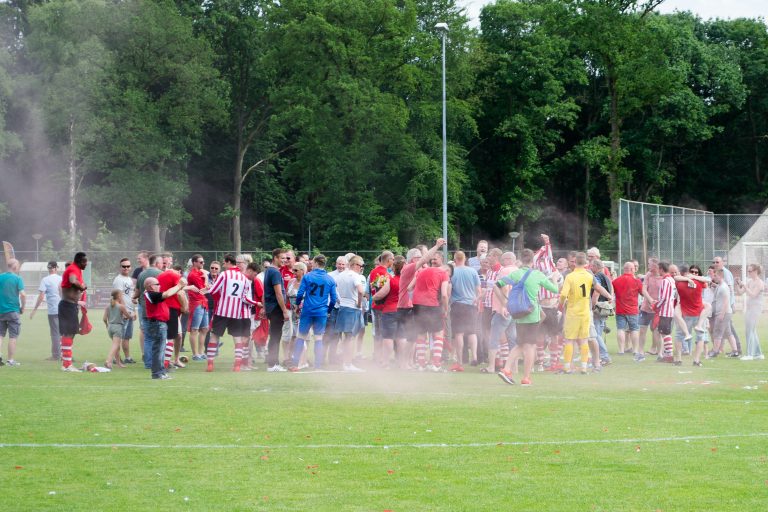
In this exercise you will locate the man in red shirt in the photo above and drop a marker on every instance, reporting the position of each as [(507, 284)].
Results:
[(168, 279), (690, 286), (416, 259), (379, 275), (627, 289), (198, 307), (72, 299), (158, 314), (430, 307)]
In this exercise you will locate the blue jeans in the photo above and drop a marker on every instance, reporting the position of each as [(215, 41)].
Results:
[(599, 322), (147, 343), (155, 334), (690, 321), (501, 326)]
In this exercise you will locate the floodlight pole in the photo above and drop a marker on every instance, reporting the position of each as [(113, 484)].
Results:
[(443, 29), (513, 235), (37, 237)]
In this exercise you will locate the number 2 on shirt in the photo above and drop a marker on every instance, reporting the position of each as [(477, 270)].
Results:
[(233, 289)]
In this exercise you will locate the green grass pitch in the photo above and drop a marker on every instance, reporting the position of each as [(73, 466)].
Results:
[(638, 437)]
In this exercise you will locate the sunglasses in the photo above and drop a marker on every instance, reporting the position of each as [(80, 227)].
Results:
[(125, 266), (215, 268)]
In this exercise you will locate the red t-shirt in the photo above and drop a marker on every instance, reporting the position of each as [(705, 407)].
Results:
[(74, 270), (196, 278), (157, 307), (627, 289), (168, 280), (427, 289), (375, 273), (258, 295), (691, 303), (404, 296), (393, 297), (288, 276)]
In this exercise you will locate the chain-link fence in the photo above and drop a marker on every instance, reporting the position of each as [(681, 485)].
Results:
[(672, 233), (684, 235)]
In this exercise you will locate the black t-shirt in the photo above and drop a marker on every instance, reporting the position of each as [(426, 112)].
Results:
[(136, 272), (272, 277), (603, 281)]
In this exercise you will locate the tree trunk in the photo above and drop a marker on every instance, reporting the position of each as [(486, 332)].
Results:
[(156, 242), (236, 202), (72, 225), (585, 218), (237, 189), (614, 185), (755, 143)]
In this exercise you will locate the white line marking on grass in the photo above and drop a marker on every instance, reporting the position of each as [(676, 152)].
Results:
[(390, 393), (375, 446)]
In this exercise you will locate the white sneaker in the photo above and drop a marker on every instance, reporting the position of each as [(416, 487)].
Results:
[(352, 368), (71, 369), (747, 358), (760, 357), (12, 362), (276, 368)]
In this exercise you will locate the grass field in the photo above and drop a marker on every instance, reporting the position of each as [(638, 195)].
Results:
[(642, 437)]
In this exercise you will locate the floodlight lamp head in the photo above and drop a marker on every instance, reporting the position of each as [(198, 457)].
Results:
[(441, 27)]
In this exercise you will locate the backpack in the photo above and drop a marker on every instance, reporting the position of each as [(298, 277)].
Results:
[(519, 304)]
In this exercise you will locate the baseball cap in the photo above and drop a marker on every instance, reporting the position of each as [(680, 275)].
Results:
[(53, 264)]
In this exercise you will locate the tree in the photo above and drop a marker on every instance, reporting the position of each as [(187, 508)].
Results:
[(531, 66), (620, 51), (72, 66), (162, 90), (259, 106)]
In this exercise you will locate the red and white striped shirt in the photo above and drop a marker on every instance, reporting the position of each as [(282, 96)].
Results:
[(666, 303), (490, 283), (544, 261), (234, 294)]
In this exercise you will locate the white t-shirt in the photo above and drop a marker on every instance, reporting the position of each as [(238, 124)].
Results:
[(125, 285), (50, 286), (346, 287)]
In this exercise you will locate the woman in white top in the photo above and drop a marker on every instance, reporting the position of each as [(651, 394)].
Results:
[(753, 307)]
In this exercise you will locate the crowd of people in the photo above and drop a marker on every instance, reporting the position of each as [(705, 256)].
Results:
[(490, 311)]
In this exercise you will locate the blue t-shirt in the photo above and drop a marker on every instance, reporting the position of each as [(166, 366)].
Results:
[(272, 277), (318, 292), (464, 285), (10, 287)]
